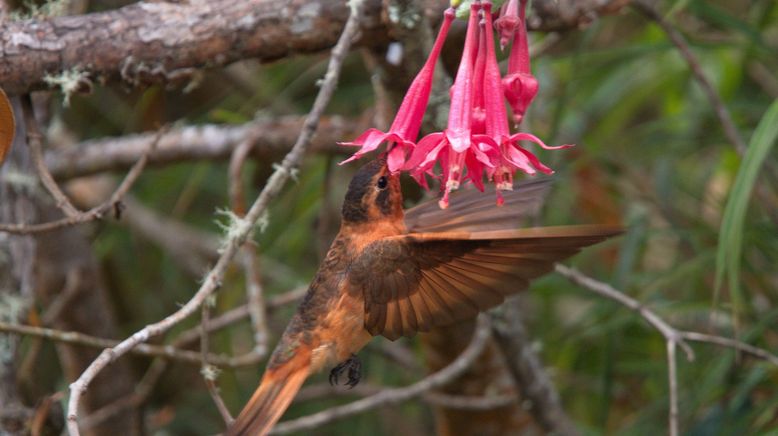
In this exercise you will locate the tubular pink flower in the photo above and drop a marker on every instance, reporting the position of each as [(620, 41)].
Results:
[(511, 155), (460, 113), (519, 85), (458, 148), (508, 22), (407, 123), (479, 114)]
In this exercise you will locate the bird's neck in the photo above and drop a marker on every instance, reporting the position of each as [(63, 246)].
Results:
[(362, 234)]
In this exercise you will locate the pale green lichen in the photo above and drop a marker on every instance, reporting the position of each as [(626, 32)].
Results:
[(12, 307), (463, 7), (210, 372), (407, 18), (235, 226), (31, 10), (68, 82), (20, 181), (294, 173)]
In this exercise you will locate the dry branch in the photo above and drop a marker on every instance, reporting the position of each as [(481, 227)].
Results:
[(540, 396), (208, 371), (76, 338), (249, 258), (269, 137), (98, 212), (673, 337), (166, 42)]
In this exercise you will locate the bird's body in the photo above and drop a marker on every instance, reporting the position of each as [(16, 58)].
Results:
[(395, 274)]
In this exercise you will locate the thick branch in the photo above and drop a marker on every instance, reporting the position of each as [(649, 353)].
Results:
[(207, 142), (542, 399), (166, 42)]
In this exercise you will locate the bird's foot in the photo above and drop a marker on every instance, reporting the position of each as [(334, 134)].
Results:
[(354, 367)]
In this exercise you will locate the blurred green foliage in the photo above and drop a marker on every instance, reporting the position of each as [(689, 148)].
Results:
[(650, 154)]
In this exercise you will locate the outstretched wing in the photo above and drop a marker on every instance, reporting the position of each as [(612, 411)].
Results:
[(415, 282), (474, 211)]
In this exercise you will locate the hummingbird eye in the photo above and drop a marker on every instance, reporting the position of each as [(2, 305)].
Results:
[(382, 182)]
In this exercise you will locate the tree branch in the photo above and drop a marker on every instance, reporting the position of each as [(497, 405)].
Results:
[(527, 370), (209, 372), (673, 336), (112, 204), (269, 136), (166, 42)]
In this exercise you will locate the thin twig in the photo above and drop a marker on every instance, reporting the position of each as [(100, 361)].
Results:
[(244, 228), (673, 336), (163, 351), (249, 260), (397, 395), (672, 375), (731, 343), (142, 392), (764, 191), (608, 291), (208, 371), (34, 139), (469, 402), (235, 173), (159, 365), (460, 402), (112, 204), (240, 313), (72, 288), (680, 43), (255, 297)]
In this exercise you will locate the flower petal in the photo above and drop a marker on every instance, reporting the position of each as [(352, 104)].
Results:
[(521, 136), (518, 159)]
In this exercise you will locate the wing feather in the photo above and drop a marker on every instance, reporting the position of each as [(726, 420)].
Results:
[(434, 279), (472, 210)]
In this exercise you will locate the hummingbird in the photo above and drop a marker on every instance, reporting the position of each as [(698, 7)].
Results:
[(394, 273)]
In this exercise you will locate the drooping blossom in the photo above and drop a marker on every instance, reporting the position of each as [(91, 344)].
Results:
[(508, 22), (477, 143), (462, 153), (405, 128), (512, 155), (519, 85)]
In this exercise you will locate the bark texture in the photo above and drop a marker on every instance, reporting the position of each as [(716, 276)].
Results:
[(270, 137), (17, 191), (164, 42), (68, 274), (487, 376)]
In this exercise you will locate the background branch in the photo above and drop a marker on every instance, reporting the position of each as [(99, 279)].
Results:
[(165, 42), (269, 136)]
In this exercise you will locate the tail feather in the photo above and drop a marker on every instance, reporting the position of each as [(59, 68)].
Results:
[(277, 390)]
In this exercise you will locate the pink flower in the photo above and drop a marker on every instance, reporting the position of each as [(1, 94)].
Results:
[(512, 155), (477, 141), (462, 153), (406, 125), (519, 85), (508, 22)]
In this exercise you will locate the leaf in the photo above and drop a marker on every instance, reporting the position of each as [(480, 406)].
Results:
[(7, 126), (731, 231)]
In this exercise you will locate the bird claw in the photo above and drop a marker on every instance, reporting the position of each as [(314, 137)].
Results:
[(354, 367)]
